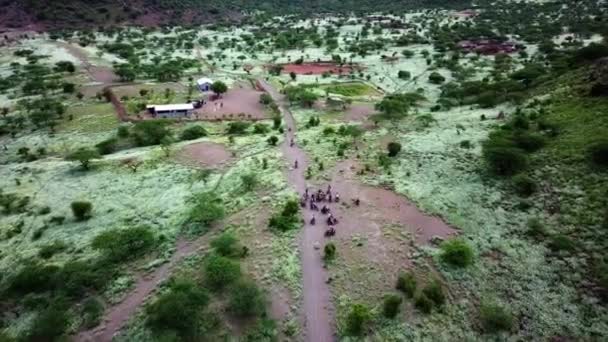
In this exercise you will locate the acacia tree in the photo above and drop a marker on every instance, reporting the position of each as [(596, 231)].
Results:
[(84, 155), (219, 87)]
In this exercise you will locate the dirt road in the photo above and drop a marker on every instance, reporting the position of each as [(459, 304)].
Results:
[(318, 309), (117, 316)]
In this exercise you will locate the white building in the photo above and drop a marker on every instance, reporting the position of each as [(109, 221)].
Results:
[(204, 84), (171, 110)]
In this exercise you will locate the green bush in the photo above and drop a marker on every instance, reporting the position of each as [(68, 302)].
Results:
[(150, 132), (83, 155), (249, 181), (524, 185), (436, 78), (529, 142), (393, 148), (561, 242), (207, 209), (406, 282), (272, 140), (49, 324), (92, 310), (329, 251), (226, 245), (434, 291), (246, 299), (123, 131), (505, 161), (495, 318), (599, 153), (75, 278), (237, 127), (221, 271), (124, 244), (193, 132), (536, 228), (81, 210), (357, 319), (179, 310), (456, 252), (287, 219), (33, 277), (107, 146), (261, 128), (47, 251), (390, 307), (404, 75), (423, 303)]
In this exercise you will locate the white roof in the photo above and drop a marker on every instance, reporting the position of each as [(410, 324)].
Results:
[(171, 107), (204, 80)]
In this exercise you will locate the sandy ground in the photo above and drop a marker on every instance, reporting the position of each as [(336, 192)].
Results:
[(204, 154), (318, 68), (238, 103)]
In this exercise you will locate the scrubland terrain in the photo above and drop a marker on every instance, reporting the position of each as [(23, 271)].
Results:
[(468, 150)]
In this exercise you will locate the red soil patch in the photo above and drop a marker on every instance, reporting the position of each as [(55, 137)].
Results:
[(238, 103), (359, 112), (319, 68), (205, 154)]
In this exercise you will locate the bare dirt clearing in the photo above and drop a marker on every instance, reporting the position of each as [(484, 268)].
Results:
[(239, 103), (319, 68), (204, 154)]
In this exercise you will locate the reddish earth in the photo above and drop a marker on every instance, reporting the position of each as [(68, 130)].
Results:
[(239, 103), (319, 68), (96, 73), (359, 112), (318, 311), (205, 154)]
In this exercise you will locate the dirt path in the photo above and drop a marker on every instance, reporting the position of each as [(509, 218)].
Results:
[(117, 316), (100, 74), (319, 325)]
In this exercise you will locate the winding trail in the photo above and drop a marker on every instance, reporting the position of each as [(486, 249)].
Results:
[(117, 316), (319, 324)]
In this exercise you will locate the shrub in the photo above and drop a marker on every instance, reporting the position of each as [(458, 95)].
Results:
[(124, 244), (287, 218), (434, 292), (504, 161), (561, 242), (524, 185), (393, 148), (83, 155), (436, 78), (178, 310), (536, 228), (82, 210), (329, 130), (329, 251), (33, 277), (356, 320), (495, 318), (391, 305), (465, 144), (221, 271), (246, 299), (456, 252), (49, 324), (261, 128), (599, 153), (237, 127), (404, 75), (265, 99), (123, 131), (249, 181), (193, 132), (47, 251), (529, 142), (423, 303), (272, 140), (207, 209), (226, 245), (92, 310), (150, 132), (406, 282), (107, 146), (75, 278)]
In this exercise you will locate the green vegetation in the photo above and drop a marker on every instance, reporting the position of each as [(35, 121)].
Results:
[(288, 218), (457, 252), (124, 244), (221, 272), (406, 282)]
